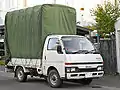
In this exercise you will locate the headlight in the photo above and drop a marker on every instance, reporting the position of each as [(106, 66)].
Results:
[(70, 69), (100, 68)]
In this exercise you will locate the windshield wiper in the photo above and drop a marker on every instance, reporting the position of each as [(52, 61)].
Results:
[(94, 52), (86, 52), (80, 51)]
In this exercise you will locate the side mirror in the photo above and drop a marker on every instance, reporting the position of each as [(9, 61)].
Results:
[(59, 49)]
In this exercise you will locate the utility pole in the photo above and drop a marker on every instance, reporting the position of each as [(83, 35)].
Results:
[(25, 3), (115, 2), (82, 14), (54, 1)]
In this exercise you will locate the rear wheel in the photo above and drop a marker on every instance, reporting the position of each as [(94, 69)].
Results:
[(20, 75), (54, 79)]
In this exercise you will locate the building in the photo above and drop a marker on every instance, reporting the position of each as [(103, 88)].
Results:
[(83, 31), (7, 6), (10, 5), (2, 48)]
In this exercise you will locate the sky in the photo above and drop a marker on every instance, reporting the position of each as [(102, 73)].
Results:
[(77, 4), (82, 16)]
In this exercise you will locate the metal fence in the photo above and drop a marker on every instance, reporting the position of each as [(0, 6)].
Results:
[(108, 52)]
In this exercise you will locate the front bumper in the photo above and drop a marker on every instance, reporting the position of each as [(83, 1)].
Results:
[(82, 75)]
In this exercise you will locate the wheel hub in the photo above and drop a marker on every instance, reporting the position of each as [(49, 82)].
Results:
[(20, 75), (53, 79)]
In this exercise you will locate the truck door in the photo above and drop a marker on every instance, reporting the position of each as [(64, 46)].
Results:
[(53, 58)]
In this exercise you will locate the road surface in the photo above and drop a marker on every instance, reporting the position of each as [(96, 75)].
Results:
[(8, 83)]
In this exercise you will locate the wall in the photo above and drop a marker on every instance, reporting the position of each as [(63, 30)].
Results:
[(117, 32), (108, 52)]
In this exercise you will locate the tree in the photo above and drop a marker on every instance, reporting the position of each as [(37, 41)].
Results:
[(91, 27), (105, 17)]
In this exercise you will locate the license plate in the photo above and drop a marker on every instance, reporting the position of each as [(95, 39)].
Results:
[(88, 75)]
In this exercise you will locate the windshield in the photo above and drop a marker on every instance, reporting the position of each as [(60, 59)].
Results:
[(75, 44)]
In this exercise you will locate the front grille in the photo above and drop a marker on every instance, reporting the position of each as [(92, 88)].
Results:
[(78, 70), (87, 70)]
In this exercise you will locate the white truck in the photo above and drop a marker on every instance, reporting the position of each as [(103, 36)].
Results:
[(41, 41)]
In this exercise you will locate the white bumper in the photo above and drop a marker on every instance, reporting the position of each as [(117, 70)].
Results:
[(81, 75)]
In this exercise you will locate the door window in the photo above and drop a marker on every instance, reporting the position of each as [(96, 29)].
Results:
[(52, 44)]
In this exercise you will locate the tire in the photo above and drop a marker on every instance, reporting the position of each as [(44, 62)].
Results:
[(54, 79), (84, 81), (20, 75)]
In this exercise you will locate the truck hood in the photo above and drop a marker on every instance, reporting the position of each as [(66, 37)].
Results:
[(83, 58)]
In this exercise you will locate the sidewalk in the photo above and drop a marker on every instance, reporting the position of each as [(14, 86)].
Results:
[(2, 68), (111, 81)]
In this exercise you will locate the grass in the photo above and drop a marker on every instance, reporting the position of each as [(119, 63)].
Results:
[(2, 62)]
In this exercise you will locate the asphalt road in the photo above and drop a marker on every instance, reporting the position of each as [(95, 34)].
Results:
[(8, 83)]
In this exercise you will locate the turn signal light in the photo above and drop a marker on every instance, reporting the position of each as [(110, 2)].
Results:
[(102, 62), (68, 63)]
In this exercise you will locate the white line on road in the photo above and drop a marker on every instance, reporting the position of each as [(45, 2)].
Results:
[(111, 88)]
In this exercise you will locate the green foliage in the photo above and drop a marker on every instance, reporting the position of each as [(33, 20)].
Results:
[(91, 27), (2, 62), (105, 17)]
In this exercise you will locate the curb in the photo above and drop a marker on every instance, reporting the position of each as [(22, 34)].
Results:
[(2, 68)]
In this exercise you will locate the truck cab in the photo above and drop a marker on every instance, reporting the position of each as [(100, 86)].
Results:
[(72, 57)]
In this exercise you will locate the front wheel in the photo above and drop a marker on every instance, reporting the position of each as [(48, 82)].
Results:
[(20, 75), (54, 79), (85, 81)]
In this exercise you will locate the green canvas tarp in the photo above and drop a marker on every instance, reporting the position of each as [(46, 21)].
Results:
[(27, 29)]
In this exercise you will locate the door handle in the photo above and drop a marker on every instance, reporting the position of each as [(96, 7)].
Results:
[(45, 57)]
